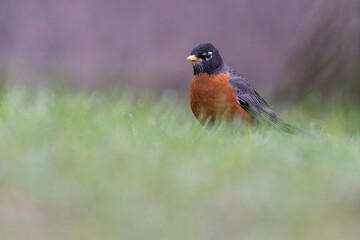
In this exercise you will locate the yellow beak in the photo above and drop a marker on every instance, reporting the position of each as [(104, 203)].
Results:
[(193, 58)]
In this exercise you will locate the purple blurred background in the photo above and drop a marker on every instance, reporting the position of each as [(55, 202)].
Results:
[(144, 44)]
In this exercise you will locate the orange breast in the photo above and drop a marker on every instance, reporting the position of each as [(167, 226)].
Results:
[(213, 95)]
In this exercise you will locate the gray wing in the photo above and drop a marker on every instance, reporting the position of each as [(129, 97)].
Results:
[(255, 105)]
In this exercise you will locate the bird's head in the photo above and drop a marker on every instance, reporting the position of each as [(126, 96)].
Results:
[(206, 59)]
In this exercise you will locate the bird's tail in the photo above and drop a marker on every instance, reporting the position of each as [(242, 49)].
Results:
[(285, 127)]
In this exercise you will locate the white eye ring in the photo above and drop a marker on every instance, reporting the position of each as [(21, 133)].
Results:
[(208, 56)]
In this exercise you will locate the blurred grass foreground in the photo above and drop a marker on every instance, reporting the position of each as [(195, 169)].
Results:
[(90, 166)]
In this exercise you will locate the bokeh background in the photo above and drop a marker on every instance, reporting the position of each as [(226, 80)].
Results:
[(287, 49), (97, 139)]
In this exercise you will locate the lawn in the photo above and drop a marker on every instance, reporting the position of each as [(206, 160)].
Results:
[(114, 166)]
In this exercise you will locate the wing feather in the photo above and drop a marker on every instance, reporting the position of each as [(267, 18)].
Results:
[(255, 105)]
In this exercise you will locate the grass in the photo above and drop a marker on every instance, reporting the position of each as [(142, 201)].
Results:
[(91, 166)]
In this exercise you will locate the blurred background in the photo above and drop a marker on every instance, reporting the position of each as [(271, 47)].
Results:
[(103, 162), (287, 49)]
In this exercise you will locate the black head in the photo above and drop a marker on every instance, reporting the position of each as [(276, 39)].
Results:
[(206, 59)]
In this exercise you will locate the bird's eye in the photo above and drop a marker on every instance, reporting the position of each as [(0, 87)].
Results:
[(208, 56)]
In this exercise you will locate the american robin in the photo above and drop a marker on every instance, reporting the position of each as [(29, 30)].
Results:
[(217, 89)]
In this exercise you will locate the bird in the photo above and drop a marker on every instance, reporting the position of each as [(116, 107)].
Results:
[(219, 90)]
